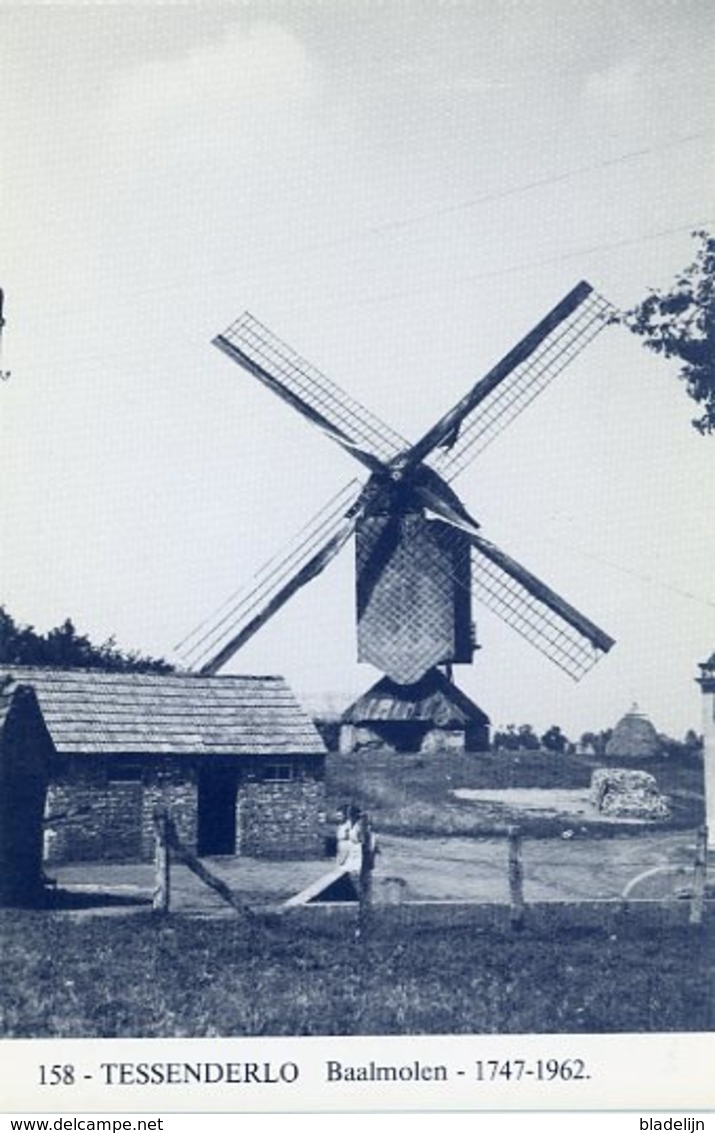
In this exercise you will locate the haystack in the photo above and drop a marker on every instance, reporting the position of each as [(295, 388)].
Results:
[(634, 738)]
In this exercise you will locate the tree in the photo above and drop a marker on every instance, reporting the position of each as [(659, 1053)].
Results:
[(64, 648), (693, 744), (528, 738), (507, 740), (689, 748), (554, 740), (680, 323)]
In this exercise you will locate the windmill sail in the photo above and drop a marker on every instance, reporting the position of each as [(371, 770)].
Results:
[(535, 611), (515, 381), (309, 391), (209, 647), (415, 574)]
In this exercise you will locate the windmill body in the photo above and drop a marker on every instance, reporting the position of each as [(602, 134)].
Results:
[(420, 555), (413, 595)]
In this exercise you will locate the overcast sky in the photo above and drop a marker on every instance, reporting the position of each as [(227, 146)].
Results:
[(399, 190)]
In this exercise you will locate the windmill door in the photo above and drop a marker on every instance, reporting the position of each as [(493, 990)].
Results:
[(216, 819)]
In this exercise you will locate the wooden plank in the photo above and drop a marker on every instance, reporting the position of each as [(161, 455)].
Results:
[(367, 864), (190, 860), (697, 899), (312, 568), (449, 424), (516, 879), (161, 898), (315, 888)]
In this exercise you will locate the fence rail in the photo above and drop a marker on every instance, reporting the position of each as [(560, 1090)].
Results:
[(168, 843), (170, 847)]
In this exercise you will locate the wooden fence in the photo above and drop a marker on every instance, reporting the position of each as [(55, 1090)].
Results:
[(169, 845)]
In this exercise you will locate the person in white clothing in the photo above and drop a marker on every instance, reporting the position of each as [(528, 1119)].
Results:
[(349, 840)]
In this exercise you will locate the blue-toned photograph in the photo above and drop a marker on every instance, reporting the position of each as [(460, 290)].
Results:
[(357, 648)]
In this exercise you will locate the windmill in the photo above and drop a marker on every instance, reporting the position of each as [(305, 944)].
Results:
[(420, 555)]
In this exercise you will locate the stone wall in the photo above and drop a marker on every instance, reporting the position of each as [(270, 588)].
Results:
[(174, 790), (622, 792), (281, 819), (358, 737), (91, 818), (443, 739), (91, 815), (355, 738)]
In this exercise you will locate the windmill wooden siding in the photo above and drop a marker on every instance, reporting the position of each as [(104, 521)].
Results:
[(404, 565), (236, 760), (26, 755)]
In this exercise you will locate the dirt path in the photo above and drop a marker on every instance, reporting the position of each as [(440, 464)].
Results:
[(554, 869), (446, 869)]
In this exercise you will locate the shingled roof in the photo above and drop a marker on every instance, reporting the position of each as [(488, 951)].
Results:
[(16, 697), (91, 712), (432, 700)]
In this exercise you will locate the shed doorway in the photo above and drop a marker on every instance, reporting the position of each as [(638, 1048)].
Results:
[(216, 833)]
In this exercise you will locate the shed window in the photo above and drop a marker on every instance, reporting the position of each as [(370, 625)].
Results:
[(279, 772), (124, 773)]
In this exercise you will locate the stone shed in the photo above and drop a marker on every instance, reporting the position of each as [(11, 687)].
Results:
[(26, 758), (236, 760)]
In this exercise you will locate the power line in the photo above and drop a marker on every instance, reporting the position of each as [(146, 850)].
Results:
[(388, 226), (455, 282), (652, 580), (526, 265), (385, 228)]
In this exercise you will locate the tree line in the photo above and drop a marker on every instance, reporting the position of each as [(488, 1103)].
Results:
[(523, 737), (63, 647)]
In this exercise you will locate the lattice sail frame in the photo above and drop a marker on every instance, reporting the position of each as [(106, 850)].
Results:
[(571, 649), (525, 382), (353, 421), (505, 596), (216, 631)]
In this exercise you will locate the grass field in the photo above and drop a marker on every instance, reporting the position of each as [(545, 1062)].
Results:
[(69, 976), (420, 969), (412, 794)]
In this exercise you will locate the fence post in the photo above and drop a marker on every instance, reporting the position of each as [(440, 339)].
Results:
[(697, 899), (186, 857), (516, 879), (367, 864), (162, 867)]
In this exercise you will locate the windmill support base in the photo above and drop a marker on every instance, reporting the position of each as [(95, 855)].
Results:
[(430, 716)]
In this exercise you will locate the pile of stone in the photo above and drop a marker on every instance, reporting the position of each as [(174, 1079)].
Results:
[(619, 792)]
